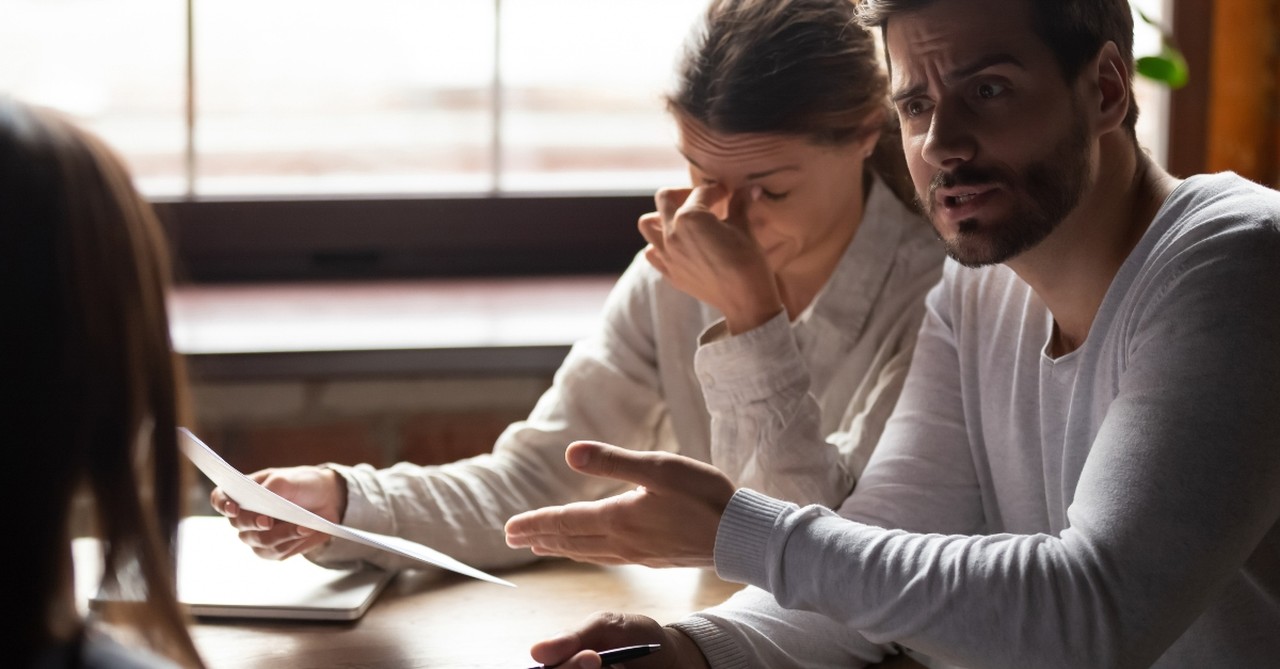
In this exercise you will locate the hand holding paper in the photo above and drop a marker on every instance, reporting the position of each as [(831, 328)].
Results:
[(319, 490), (252, 496)]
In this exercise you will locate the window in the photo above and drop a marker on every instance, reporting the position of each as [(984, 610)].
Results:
[(1153, 98), (333, 97), (383, 137)]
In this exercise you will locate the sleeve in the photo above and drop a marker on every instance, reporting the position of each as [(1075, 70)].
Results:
[(1180, 487), (607, 389), (765, 419), (756, 385), (770, 430), (751, 631), (922, 476)]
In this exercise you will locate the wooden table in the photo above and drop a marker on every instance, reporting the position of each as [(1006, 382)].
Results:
[(445, 620)]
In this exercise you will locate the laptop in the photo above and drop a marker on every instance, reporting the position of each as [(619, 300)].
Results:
[(220, 577)]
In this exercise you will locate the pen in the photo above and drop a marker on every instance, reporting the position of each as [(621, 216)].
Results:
[(616, 655)]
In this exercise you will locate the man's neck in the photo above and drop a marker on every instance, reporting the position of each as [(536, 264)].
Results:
[(1074, 266)]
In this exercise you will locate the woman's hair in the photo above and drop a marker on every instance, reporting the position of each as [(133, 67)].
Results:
[(87, 353), (794, 67)]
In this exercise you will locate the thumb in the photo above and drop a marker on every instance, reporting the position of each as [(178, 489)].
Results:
[(657, 471), (738, 203), (705, 198)]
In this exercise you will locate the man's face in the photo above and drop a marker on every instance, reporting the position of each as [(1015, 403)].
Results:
[(997, 142)]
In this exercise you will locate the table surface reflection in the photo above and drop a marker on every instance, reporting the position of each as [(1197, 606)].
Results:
[(441, 619)]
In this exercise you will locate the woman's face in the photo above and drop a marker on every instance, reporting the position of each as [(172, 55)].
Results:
[(810, 198)]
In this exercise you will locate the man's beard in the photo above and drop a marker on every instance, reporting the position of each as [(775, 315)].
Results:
[(1045, 190)]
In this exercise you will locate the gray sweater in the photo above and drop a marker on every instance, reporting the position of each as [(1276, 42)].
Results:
[(1114, 507), (633, 384)]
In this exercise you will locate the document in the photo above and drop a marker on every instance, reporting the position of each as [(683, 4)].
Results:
[(252, 496)]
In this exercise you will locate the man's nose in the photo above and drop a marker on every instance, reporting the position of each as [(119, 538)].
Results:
[(950, 140)]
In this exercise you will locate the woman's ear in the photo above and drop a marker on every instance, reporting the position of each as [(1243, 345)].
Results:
[(873, 127)]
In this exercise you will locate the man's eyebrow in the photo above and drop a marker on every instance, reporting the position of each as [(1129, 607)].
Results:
[(960, 73), (982, 64)]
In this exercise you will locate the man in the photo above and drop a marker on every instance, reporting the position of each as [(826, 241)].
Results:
[(1084, 466)]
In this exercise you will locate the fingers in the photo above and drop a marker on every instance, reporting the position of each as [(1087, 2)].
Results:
[(286, 549), (239, 517), (600, 631), (651, 229), (558, 527), (705, 198), (655, 258), (223, 504), (660, 471), (738, 204), (669, 200), (282, 541), (557, 648)]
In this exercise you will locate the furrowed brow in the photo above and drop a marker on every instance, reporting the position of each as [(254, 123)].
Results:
[(981, 64), (959, 74)]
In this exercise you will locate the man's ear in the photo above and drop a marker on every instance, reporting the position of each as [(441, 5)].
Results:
[(1109, 89)]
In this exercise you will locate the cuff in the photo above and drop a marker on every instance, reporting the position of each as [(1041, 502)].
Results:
[(365, 511), (748, 367), (717, 647), (743, 537)]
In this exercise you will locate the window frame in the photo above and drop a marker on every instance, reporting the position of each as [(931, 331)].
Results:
[(317, 239), (256, 239)]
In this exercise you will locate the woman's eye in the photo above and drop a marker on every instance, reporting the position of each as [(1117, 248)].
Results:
[(774, 197)]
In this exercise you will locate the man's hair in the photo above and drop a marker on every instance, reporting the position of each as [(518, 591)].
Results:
[(1074, 30)]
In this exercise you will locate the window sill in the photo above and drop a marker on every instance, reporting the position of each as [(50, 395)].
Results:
[(351, 329)]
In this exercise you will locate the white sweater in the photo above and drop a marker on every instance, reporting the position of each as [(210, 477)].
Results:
[(633, 384), (1115, 507)]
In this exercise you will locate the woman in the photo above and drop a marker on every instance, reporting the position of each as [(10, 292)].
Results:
[(783, 119), (97, 389)]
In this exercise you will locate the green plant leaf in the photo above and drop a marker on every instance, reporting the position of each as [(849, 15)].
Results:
[(1168, 68)]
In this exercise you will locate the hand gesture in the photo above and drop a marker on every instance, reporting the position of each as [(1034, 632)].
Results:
[(316, 489), (715, 260), (670, 520), (614, 630)]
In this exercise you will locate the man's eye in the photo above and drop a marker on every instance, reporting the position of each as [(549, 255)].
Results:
[(988, 90), (914, 108)]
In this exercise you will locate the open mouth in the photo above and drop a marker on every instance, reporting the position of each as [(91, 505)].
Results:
[(950, 201), (964, 198)]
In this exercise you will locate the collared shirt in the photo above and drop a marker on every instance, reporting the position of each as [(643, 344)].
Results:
[(634, 384)]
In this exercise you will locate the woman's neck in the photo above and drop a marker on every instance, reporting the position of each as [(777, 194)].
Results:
[(799, 286)]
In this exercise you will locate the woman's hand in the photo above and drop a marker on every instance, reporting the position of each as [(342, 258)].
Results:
[(715, 260), (316, 489), (670, 520)]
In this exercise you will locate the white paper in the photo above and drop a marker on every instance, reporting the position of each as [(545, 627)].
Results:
[(250, 495)]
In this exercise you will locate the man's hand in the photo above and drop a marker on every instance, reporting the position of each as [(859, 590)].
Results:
[(603, 631), (715, 260), (670, 520), (316, 489)]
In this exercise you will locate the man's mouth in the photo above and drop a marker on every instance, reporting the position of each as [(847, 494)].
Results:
[(953, 198)]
